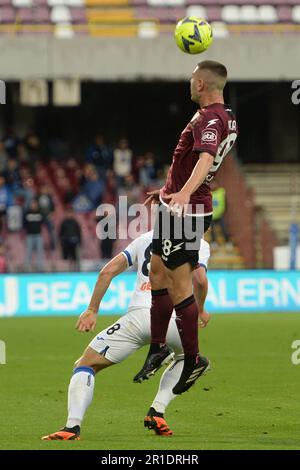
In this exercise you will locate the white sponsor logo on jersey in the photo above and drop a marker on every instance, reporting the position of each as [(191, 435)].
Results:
[(209, 136)]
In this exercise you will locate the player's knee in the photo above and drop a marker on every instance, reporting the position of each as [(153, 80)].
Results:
[(182, 288), (93, 359), (157, 279), (81, 362), (157, 275), (180, 291)]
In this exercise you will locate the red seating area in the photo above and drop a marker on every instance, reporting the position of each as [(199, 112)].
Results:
[(85, 16), (58, 178)]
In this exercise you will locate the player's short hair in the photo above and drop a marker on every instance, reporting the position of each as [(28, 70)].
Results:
[(217, 69)]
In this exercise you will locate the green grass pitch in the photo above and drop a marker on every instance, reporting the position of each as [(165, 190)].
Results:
[(250, 399)]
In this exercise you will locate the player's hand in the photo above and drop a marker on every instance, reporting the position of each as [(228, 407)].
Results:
[(204, 318), (87, 320), (153, 197), (178, 202)]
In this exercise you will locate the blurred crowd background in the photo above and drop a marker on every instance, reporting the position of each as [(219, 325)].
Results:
[(48, 205), (97, 94)]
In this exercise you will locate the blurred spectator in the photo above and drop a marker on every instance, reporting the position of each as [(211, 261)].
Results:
[(6, 200), (3, 158), (32, 144), (57, 148), (122, 160), (22, 155), (219, 209), (14, 181), (82, 204), (70, 238), (93, 186), (107, 231), (14, 218), (99, 154), (131, 190), (10, 142), (3, 263), (111, 189), (67, 192), (147, 170), (47, 207), (33, 220)]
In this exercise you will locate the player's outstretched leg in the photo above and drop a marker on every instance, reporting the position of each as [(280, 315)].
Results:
[(161, 312), (192, 370), (195, 365), (153, 362), (80, 394), (81, 390), (155, 419)]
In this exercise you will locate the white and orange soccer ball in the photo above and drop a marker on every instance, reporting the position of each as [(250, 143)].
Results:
[(193, 35)]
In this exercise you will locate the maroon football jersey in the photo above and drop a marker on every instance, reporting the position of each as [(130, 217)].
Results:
[(213, 129)]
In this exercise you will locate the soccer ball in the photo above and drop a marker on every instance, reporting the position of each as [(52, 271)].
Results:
[(193, 35)]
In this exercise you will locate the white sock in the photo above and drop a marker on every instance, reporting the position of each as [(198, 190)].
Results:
[(80, 395), (169, 378)]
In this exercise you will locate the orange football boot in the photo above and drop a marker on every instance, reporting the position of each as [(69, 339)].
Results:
[(156, 421), (65, 434)]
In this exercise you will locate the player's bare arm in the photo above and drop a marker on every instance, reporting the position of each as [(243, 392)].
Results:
[(200, 292), (88, 319), (178, 201)]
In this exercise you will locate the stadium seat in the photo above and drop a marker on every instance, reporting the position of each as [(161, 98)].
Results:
[(22, 3), (75, 3), (284, 13), (202, 3), (60, 14), (160, 3), (7, 15), (25, 15), (213, 13), (195, 10), (42, 15), (220, 29), (267, 14), (40, 3), (230, 14), (296, 14), (107, 3), (55, 3), (78, 15), (39, 15), (137, 2), (147, 30), (248, 14), (110, 15), (63, 31)]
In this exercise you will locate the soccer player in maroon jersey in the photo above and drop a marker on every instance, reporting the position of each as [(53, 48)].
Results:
[(185, 215)]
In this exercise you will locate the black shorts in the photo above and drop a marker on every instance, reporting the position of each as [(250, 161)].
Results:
[(177, 240)]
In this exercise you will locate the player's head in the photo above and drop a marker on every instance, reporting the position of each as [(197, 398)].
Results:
[(209, 77)]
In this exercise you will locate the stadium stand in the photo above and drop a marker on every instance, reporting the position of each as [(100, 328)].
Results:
[(263, 220), (66, 181), (281, 207), (132, 17)]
